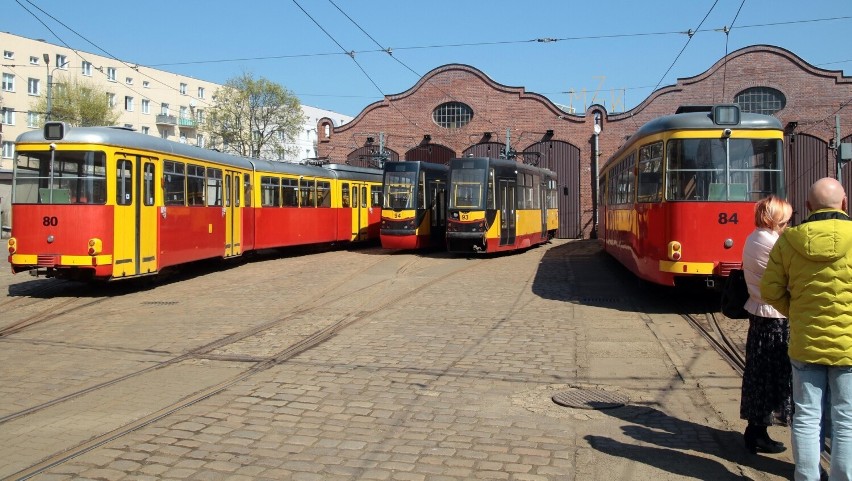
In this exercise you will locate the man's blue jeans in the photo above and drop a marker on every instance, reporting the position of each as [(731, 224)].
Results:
[(811, 382)]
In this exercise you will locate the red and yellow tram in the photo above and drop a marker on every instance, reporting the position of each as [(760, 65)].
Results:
[(677, 200), (498, 205), (109, 203), (414, 212)]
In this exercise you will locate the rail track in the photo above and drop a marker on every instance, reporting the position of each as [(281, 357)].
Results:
[(709, 327), (256, 364)]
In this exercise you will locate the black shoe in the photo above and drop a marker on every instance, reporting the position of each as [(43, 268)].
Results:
[(757, 441)]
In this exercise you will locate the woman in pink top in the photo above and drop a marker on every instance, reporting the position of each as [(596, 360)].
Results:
[(766, 388)]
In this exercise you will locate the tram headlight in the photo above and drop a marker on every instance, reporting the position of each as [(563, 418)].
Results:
[(95, 246), (675, 252), (12, 244)]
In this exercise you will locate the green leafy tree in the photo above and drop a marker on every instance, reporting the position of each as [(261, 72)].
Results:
[(254, 118), (79, 102)]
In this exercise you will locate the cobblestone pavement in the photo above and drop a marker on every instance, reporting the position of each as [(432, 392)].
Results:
[(371, 365)]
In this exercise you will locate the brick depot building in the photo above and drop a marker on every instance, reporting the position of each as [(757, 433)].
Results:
[(457, 111)]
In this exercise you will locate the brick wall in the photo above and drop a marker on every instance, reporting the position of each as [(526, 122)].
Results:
[(813, 96)]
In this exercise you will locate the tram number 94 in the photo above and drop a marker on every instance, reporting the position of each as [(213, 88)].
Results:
[(725, 218), (49, 221)]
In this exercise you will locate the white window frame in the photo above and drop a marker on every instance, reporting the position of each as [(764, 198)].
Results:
[(8, 150), (33, 85), (86, 68), (183, 88), (128, 80), (34, 60), (146, 106), (200, 92), (110, 99), (33, 119), (199, 140), (8, 55), (164, 109), (61, 62), (146, 84), (110, 73), (145, 130), (128, 103), (8, 82), (7, 116)]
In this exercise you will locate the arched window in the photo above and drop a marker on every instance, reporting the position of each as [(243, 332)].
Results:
[(452, 115), (760, 100)]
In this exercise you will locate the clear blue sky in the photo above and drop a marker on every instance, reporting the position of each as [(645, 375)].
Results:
[(615, 51)]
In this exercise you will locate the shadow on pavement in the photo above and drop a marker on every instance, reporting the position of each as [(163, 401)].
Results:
[(675, 439)]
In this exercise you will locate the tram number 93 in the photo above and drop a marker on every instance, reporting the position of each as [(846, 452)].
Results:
[(725, 218)]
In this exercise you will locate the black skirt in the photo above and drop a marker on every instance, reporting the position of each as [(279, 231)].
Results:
[(767, 379)]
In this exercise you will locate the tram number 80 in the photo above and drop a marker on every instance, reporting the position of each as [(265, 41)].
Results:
[(49, 221), (725, 218)]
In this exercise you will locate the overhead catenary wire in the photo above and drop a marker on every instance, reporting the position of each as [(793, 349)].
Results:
[(352, 55)]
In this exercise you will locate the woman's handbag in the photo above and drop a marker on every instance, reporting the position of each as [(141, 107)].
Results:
[(735, 295)]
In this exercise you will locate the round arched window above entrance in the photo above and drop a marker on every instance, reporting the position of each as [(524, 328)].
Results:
[(760, 100), (452, 115)]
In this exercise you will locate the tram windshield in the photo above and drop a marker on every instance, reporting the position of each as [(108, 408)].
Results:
[(466, 186), (723, 169), (61, 177), (400, 190)]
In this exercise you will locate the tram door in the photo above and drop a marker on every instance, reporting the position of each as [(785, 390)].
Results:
[(437, 191), (506, 198), (135, 218), (543, 203), (233, 213)]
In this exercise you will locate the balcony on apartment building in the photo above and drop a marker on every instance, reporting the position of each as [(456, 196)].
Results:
[(164, 119), (187, 123)]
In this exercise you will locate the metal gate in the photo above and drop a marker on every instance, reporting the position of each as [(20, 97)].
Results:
[(563, 159)]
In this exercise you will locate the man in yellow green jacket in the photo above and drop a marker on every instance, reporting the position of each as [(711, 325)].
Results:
[(809, 279)]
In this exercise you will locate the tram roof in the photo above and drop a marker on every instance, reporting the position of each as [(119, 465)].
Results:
[(704, 121), (505, 163), (696, 120), (125, 138)]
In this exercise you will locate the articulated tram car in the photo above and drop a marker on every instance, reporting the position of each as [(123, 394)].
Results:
[(108, 203), (414, 211), (677, 200), (499, 205)]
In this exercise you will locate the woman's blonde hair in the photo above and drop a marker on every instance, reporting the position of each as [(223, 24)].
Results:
[(770, 212)]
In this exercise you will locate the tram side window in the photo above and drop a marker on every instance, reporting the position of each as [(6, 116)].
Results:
[(650, 173), (307, 194), (174, 179), (344, 194), (376, 196), (536, 192), (291, 192), (195, 185), (323, 193), (247, 189), (214, 187), (270, 192), (621, 181), (552, 198), (124, 183), (149, 183)]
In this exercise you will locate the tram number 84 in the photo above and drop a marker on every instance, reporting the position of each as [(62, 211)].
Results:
[(49, 221), (725, 218)]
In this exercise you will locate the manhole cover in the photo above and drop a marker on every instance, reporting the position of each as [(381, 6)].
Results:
[(589, 399)]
